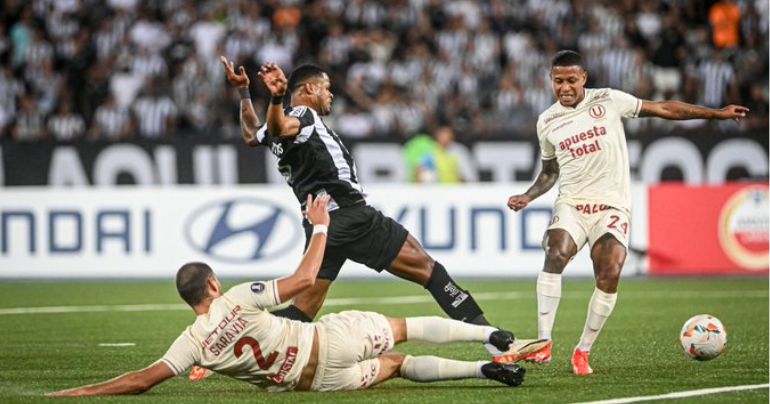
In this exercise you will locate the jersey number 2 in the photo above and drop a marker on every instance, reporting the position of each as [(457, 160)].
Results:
[(264, 363)]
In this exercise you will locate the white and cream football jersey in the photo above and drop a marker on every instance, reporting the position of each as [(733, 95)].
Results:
[(240, 339), (589, 144)]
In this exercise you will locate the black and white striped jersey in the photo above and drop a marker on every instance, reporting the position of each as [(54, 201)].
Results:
[(315, 160)]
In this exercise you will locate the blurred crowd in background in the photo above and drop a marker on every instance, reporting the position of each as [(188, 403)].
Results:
[(118, 69)]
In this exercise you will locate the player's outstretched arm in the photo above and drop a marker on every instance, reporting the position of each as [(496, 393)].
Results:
[(677, 110), (545, 181), (278, 124), (129, 383), (249, 119), (305, 275)]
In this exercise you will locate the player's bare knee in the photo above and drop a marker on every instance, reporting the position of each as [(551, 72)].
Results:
[(390, 366), (416, 253), (557, 257), (608, 277), (392, 362)]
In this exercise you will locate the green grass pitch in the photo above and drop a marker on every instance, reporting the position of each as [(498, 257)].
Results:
[(637, 353)]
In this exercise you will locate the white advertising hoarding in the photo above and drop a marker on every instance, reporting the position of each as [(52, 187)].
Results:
[(255, 231)]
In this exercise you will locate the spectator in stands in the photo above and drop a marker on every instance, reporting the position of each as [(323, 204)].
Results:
[(30, 123), (66, 125), (725, 20), (10, 89), (718, 80), (155, 112), (111, 121), (406, 64)]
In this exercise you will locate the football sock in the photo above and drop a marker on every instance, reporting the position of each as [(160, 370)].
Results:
[(599, 309), (548, 296), (433, 368), (293, 313), (456, 302), (442, 330)]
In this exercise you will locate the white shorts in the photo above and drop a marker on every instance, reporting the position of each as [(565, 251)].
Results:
[(589, 222), (349, 344)]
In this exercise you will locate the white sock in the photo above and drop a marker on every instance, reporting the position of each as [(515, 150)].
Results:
[(433, 368), (442, 330), (548, 296), (599, 309)]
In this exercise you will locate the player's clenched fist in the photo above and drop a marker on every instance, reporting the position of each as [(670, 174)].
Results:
[(518, 202), (733, 112)]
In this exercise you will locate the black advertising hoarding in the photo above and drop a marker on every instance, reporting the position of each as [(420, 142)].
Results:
[(697, 158)]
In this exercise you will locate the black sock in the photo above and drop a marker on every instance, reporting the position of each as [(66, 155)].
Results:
[(456, 302), (479, 320), (293, 313)]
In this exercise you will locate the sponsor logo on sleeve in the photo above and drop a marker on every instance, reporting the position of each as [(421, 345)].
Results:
[(257, 287)]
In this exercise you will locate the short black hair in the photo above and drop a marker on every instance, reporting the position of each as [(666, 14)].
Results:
[(302, 75), (567, 58), (191, 281)]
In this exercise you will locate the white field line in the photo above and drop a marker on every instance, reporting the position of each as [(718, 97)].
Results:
[(681, 394), (117, 344), (416, 299)]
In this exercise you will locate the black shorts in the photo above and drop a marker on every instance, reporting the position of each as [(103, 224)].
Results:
[(360, 233)]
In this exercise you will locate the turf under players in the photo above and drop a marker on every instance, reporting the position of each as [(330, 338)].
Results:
[(313, 160), (234, 335), (583, 145)]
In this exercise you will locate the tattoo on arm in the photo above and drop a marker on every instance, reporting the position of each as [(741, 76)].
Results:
[(545, 180), (676, 110), (249, 123)]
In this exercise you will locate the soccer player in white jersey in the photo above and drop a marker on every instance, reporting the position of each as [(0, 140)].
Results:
[(583, 145), (236, 336)]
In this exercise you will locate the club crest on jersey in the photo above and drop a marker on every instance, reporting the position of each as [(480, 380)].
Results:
[(257, 287), (597, 111), (277, 149)]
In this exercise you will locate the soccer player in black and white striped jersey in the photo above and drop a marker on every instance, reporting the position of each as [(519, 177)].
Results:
[(314, 161)]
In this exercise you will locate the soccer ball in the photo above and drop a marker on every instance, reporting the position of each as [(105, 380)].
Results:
[(703, 337)]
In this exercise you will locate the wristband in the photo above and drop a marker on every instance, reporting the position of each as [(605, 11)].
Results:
[(320, 228), (276, 100), (244, 92)]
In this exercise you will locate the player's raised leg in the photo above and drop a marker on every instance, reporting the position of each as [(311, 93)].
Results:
[(414, 264), (608, 256)]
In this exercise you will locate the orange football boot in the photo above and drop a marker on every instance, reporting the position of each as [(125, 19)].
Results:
[(580, 364), (529, 350)]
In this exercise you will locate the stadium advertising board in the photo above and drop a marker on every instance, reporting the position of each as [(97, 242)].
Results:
[(711, 159), (255, 231), (709, 230)]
